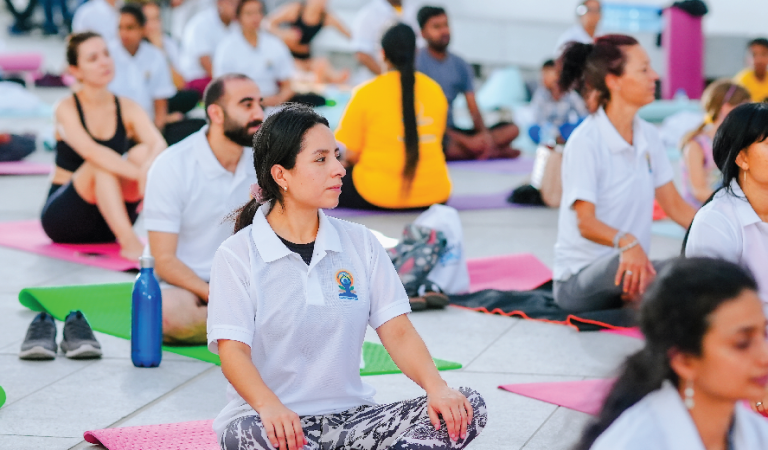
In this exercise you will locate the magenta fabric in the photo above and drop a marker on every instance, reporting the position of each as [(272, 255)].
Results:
[(628, 332), (196, 435), (521, 272), (20, 62), (29, 236), (586, 396), (683, 43), (24, 168)]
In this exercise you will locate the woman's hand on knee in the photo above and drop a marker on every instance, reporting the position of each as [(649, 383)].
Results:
[(283, 427), (634, 270), (454, 408)]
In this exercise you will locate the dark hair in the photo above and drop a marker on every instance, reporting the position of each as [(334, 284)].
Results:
[(278, 141), (428, 12), (134, 9), (242, 3), (73, 45), (674, 316), (762, 42), (742, 127), (216, 90), (548, 63), (399, 45), (585, 66)]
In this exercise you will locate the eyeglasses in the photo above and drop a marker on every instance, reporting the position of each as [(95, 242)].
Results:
[(584, 9)]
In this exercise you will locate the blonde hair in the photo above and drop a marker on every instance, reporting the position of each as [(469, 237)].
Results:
[(717, 94)]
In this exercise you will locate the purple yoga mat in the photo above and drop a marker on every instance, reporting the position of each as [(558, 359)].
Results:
[(473, 202), (518, 166)]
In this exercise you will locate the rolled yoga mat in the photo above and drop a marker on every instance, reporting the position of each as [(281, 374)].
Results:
[(29, 236), (107, 307), (586, 396), (24, 168)]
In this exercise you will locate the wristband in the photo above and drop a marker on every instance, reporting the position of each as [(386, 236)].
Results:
[(628, 246), (617, 237)]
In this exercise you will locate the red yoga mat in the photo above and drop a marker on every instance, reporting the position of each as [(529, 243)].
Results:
[(586, 396), (521, 272), (29, 236), (24, 168), (196, 435)]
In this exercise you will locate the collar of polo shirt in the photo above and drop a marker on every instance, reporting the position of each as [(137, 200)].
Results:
[(209, 165), (271, 248), (613, 139), (747, 214)]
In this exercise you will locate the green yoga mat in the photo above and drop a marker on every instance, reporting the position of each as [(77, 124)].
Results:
[(108, 309)]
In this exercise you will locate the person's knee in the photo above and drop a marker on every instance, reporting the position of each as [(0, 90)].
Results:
[(245, 433), (184, 318), (138, 154), (479, 409)]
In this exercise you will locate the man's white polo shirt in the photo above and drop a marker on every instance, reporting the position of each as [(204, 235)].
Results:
[(305, 324), (201, 36), (266, 64), (620, 179), (729, 228), (97, 16), (190, 194), (143, 77)]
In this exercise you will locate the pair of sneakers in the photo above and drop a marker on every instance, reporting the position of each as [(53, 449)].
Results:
[(78, 342)]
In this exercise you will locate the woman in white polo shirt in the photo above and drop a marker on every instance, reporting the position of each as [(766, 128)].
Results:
[(291, 295), (732, 225), (705, 353), (614, 164)]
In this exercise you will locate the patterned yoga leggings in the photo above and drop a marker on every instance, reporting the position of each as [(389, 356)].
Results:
[(402, 425)]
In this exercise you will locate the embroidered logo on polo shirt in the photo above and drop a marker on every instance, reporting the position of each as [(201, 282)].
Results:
[(346, 285)]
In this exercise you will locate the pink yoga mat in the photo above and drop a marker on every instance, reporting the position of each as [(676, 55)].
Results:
[(170, 436), (24, 168), (521, 272), (29, 236), (586, 396), (628, 332), (518, 166)]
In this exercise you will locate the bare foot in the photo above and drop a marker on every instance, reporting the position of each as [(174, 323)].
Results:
[(132, 251)]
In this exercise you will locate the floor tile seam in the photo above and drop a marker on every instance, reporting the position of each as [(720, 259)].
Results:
[(511, 325), (37, 435), (153, 402), (50, 384), (540, 427)]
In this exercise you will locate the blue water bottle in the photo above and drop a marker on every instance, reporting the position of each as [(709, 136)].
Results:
[(146, 317)]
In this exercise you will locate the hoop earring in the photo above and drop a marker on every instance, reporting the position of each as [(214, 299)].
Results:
[(688, 393)]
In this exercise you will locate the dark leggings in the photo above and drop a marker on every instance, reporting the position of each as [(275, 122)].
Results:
[(351, 198), (68, 219)]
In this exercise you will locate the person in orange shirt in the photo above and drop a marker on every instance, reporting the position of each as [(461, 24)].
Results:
[(755, 78), (393, 129)]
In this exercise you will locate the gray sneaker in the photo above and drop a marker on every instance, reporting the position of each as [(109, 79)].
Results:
[(79, 341), (40, 342)]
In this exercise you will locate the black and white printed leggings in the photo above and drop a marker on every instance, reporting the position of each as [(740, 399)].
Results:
[(402, 425)]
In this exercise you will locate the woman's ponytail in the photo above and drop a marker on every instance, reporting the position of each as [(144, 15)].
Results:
[(573, 62)]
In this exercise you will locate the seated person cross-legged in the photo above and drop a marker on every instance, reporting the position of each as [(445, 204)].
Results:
[(292, 293), (99, 180), (191, 190), (392, 129), (614, 164), (705, 353), (455, 77), (732, 224)]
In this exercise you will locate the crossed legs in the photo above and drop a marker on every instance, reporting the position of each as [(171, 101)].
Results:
[(462, 146), (184, 317)]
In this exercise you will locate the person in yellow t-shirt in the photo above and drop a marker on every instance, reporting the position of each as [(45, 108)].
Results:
[(755, 78), (393, 129)]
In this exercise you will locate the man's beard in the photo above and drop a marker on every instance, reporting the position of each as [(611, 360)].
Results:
[(239, 134), (440, 45)]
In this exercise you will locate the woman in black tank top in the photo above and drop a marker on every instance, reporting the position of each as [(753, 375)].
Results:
[(100, 174), (297, 23)]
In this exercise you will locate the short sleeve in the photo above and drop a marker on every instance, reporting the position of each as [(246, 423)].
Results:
[(365, 33), (172, 51), (580, 170), (713, 236), (468, 77), (219, 60), (386, 291), (231, 310), (161, 84), (352, 127), (163, 201), (196, 41), (662, 168), (285, 64)]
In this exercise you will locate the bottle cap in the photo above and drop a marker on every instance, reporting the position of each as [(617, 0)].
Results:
[(146, 262)]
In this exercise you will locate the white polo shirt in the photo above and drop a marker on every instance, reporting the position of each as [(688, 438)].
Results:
[(202, 35), (728, 228), (305, 324), (620, 179), (660, 421), (190, 194), (266, 64), (143, 77), (97, 16)]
